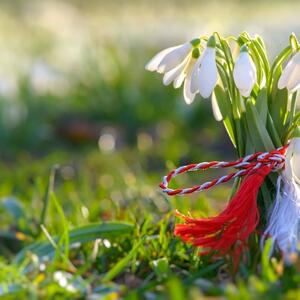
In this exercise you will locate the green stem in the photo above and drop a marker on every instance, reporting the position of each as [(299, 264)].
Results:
[(280, 58), (272, 131), (49, 190), (235, 96)]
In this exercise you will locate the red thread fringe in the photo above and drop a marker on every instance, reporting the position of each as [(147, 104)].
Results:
[(228, 231)]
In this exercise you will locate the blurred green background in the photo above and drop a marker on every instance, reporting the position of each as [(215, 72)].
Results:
[(74, 93), (73, 71)]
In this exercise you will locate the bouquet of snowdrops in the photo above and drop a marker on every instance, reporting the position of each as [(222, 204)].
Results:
[(257, 103)]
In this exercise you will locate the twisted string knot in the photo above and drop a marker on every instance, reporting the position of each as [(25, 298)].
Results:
[(274, 159)]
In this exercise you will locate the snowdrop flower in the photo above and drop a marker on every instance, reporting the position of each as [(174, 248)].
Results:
[(290, 76), (182, 73), (177, 63), (204, 74), (189, 96), (244, 72), (170, 58)]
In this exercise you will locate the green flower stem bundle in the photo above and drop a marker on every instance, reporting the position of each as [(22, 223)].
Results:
[(257, 102)]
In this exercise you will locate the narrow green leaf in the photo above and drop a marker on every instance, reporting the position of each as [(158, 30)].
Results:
[(224, 104), (272, 131), (13, 206), (78, 235), (279, 109), (267, 271), (50, 189), (64, 236), (256, 129), (262, 105), (263, 55)]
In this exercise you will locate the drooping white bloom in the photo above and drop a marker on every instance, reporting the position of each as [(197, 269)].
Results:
[(176, 63), (169, 58), (182, 74), (188, 95), (290, 76), (177, 74), (244, 72), (205, 74), (183, 64)]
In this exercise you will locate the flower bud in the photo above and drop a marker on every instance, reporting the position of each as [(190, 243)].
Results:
[(290, 76), (244, 72)]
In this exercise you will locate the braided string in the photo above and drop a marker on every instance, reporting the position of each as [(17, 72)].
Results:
[(247, 165)]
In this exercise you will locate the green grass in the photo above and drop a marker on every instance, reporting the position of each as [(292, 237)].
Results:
[(105, 231)]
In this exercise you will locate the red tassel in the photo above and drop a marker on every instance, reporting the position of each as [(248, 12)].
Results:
[(229, 230)]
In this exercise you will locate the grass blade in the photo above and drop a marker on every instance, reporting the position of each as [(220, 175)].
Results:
[(122, 264), (78, 235)]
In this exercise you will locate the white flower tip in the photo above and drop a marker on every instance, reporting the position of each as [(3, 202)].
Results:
[(188, 101), (156, 60), (215, 108), (205, 95), (161, 69), (149, 67), (281, 83), (245, 93), (166, 80), (194, 89), (188, 96)]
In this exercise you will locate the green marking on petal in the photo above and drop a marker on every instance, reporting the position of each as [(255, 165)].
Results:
[(196, 53), (195, 42), (211, 42), (244, 48)]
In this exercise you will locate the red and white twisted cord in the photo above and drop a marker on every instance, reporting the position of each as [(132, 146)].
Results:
[(275, 159)]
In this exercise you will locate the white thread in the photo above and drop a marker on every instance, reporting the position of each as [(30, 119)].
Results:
[(284, 217), (283, 225)]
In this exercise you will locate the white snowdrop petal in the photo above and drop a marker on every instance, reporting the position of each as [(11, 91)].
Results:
[(285, 75), (174, 58), (244, 74), (294, 79), (208, 74), (215, 108), (152, 65), (290, 76), (172, 74), (242, 77), (245, 92), (296, 58), (188, 96), (292, 161), (195, 77), (179, 80), (295, 159)]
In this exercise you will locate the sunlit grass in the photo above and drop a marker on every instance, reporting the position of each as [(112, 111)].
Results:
[(106, 230)]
